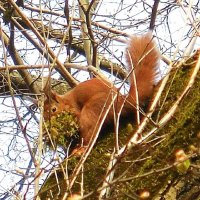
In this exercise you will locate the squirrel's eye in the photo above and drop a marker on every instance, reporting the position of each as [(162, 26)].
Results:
[(54, 109)]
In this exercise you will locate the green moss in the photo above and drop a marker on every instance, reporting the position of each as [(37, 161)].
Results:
[(62, 128)]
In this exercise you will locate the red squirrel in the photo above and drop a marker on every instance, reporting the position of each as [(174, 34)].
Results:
[(90, 99)]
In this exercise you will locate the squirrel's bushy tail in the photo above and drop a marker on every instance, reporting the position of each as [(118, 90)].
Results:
[(143, 58)]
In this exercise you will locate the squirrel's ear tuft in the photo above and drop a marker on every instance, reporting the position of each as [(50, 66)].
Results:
[(51, 96), (54, 96)]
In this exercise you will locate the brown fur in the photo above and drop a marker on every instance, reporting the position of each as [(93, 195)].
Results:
[(90, 99)]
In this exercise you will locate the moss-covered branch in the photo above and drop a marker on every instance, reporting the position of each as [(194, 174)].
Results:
[(149, 166)]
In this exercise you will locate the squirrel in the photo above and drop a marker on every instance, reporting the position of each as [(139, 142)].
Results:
[(90, 99)]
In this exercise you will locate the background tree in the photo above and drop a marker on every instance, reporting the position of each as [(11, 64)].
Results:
[(71, 41)]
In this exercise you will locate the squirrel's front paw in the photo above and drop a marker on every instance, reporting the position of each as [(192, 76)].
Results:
[(78, 151)]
